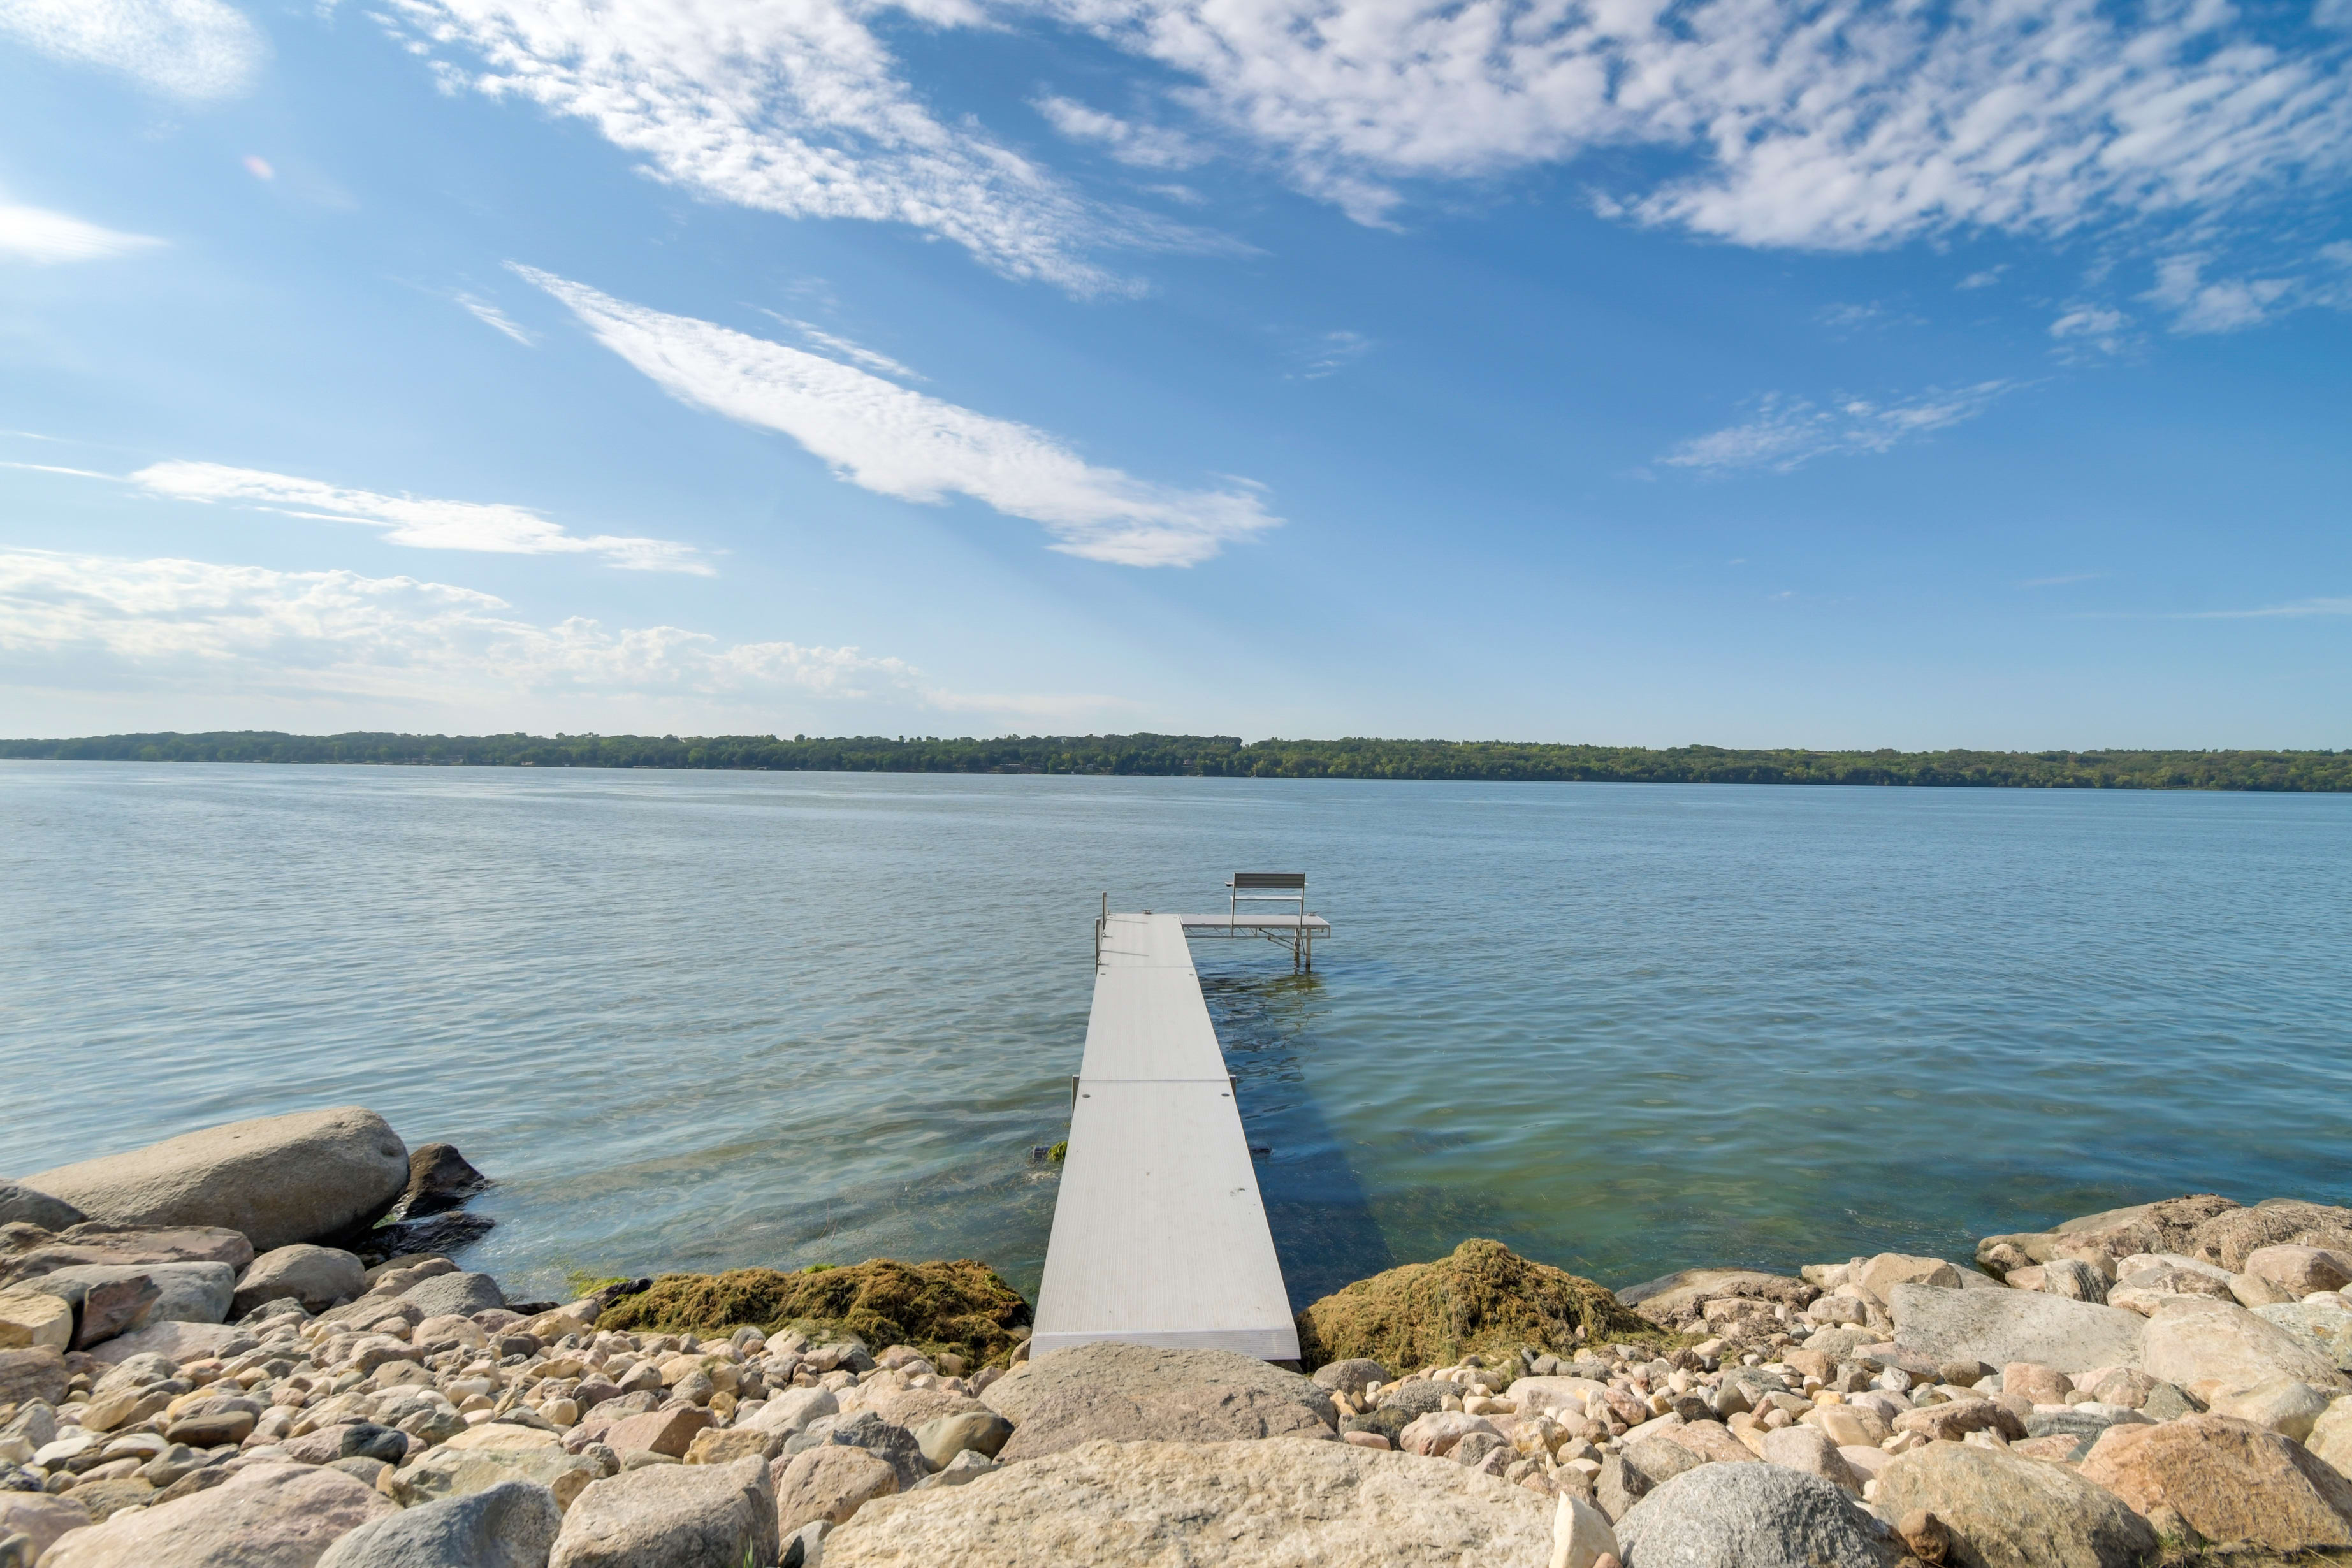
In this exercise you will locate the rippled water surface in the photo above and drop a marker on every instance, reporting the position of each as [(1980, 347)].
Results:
[(698, 1020)]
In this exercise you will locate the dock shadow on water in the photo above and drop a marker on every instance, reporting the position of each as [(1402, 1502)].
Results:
[(1321, 1217)]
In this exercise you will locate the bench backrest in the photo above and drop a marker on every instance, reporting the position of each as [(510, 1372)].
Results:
[(1245, 881)]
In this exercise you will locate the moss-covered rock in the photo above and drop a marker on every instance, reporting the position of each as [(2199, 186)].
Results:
[(961, 1306), (1484, 1300)]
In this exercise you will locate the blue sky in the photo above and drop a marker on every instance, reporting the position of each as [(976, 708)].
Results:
[(1966, 374)]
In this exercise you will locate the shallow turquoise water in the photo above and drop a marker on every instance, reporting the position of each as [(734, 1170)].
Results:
[(698, 1020)]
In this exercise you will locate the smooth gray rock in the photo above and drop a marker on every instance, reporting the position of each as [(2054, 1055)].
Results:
[(184, 1292), (1637, 1469), (2002, 1326), (895, 1445), (459, 1295), (22, 1206), (1142, 1393), (316, 1277), (1753, 1516), (1349, 1376), (510, 1525), (1415, 1398), (278, 1180)]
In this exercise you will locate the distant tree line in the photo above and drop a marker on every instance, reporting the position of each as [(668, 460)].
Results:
[(1226, 756)]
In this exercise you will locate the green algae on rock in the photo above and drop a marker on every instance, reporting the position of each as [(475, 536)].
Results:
[(961, 1305), (1483, 1300)]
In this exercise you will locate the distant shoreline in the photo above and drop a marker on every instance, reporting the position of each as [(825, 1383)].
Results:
[(1226, 756)]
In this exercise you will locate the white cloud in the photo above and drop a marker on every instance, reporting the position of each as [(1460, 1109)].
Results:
[(1984, 279), (1332, 352), (1144, 146), (1787, 432), (184, 634), (2225, 305), (795, 108), (842, 348), (33, 233), (1837, 126), (425, 523), (491, 316), (340, 633), (2296, 610), (189, 49), (886, 438)]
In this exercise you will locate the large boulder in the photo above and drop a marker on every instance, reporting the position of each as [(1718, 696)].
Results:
[(2164, 1226), (31, 1318), (2196, 1339), (830, 1482), (39, 1519), (2331, 1435), (279, 1179), (1130, 1393), (1639, 1468), (510, 1525), (2301, 1270), (1483, 1298), (1240, 1505), (673, 1516), (26, 1253), (1755, 1516), (265, 1516), (2007, 1511), (35, 1371), (2229, 1238), (1676, 1297), (1880, 1274), (179, 1341), (184, 1292), (22, 1206), (317, 1277), (2227, 1481), (2003, 1326), (2324, 1329)]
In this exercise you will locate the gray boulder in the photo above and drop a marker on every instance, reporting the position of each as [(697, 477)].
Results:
[(2007, 1511), (1350, 1377), (1639, 1468), (317, 1277), (457, 1295), (2002, 1326), (511, 1525), (1415, 1398), (673, 1516), (184, 1292), (1753, 1516), (23, 1205), (278, 1180), (1138, 1392)]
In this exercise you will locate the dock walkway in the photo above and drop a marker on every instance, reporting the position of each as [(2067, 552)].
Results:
[(1159, 1236)]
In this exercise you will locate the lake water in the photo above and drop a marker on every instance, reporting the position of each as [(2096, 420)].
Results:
[(702, 1020)]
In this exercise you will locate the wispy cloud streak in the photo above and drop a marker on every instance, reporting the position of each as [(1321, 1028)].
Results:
[(884, 437), (1786, 433), (39, 236), (421, 522), (194, 49)]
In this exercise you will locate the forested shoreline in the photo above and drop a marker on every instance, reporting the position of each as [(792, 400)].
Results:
[(1226, 756)]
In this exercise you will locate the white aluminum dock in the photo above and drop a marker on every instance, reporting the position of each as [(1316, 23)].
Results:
[(1159, 1236)]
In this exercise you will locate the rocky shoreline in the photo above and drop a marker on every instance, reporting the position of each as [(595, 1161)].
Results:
[(206, 1358)]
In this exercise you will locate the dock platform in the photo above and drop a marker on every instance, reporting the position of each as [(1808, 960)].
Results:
[(1159, 1235)]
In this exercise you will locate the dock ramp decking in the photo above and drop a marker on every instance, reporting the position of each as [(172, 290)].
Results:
[(1159, 1236)]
